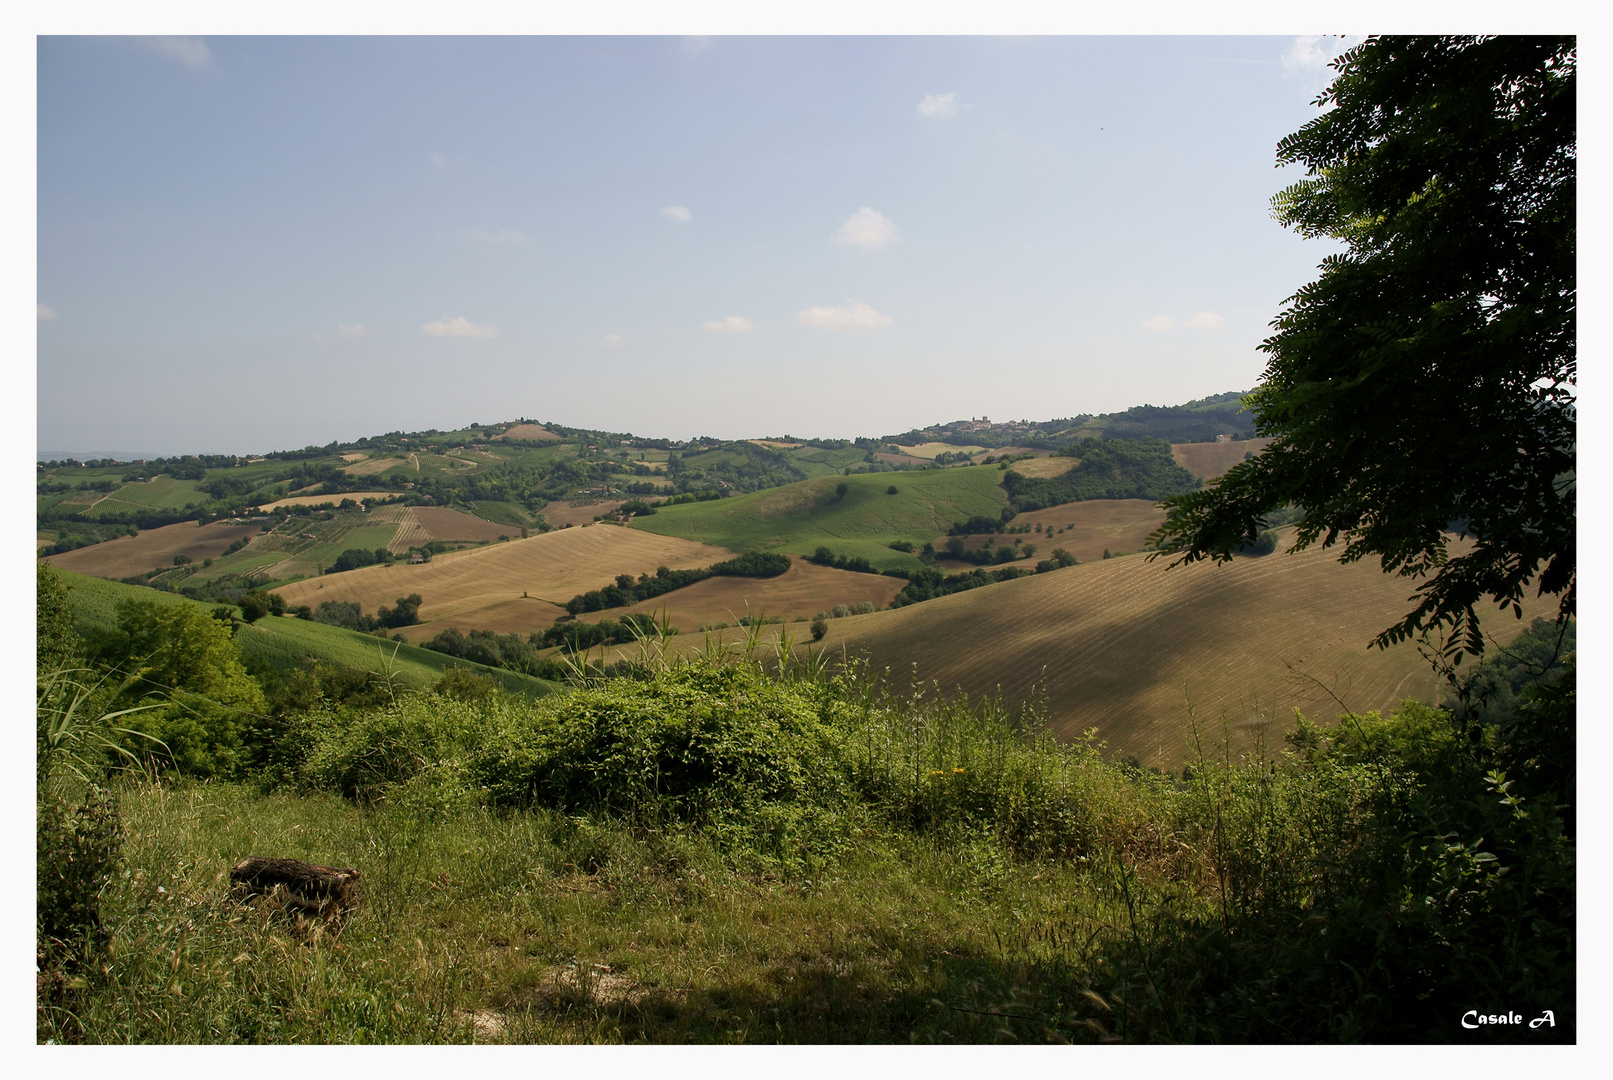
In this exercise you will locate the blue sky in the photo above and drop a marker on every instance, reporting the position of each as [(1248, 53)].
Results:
[(254, 243)]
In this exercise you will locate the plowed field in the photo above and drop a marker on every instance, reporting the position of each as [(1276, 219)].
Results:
[(1089, 527), (130, 555), (801, 591), (481, 588), (445, 524), (559, 513), (1207, 460)]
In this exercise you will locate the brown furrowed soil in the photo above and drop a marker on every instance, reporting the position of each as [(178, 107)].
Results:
[(481, 588), (560, 513), (800, 592), (1087, 528), (1124, 645), (445, 524), (529, 433), (130, 555), (1207, 460), (330, 500)]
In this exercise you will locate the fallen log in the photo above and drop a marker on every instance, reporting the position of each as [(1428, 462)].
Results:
[(301, 888)]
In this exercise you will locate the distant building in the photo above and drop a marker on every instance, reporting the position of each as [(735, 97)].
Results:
[(415, 558)]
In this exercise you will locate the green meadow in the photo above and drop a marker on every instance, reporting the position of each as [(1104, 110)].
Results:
[(798, 518)]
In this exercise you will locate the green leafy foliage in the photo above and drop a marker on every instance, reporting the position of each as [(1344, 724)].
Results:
[(78, 851), (1427, 376), (186, 665), (626, 592)]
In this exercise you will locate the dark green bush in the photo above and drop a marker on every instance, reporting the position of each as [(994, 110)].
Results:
[(79, 850)]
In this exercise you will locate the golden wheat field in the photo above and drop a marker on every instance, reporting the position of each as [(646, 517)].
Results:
[(1124, 645), (799, 592), (1209, 460), (481, 588), (529, 433), (330, 500), (1044, 466), (127, 556)]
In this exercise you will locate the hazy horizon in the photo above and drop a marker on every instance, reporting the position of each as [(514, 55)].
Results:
[(250, 244)]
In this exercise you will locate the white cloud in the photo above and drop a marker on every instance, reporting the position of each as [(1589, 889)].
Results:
[(1206, 320), (676, 213), (734, 324), (939, 104), (868, 229), (481, 234), (612, 341), (352, 330), (855, 315), (458, 327), (698, 43), (46, 312), (190, 51), (1159, 323), (1308, 55), (437, 160)]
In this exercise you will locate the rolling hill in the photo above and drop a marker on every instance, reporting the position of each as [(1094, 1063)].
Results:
[(519, 586), (286, 642), (1124, 645), (799, 517)]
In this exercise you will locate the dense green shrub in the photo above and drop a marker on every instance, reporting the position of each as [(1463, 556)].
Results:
[(78, 852), (755, 762)]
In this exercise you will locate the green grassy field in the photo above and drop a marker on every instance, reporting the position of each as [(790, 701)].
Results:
[(797, 518), (159, 493), (286, 643)]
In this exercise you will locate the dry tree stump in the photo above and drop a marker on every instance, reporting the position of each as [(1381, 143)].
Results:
[(300, 889)]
